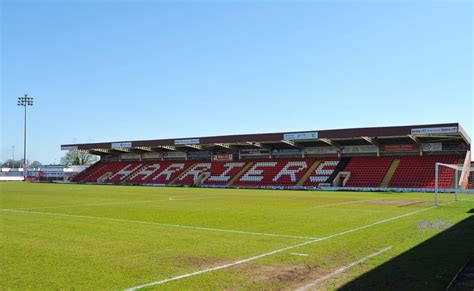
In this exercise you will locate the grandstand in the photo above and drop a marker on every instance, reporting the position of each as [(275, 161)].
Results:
[(398, 157)]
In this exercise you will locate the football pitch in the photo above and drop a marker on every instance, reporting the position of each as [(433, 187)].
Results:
[(89, 237)]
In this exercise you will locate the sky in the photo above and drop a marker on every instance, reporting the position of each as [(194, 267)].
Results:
[(130, 70)]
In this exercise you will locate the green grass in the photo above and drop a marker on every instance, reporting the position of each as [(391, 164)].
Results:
[(115, 237)]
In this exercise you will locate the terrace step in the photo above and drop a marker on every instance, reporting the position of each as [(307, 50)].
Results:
[(104, 177), (133, 174), (388, 176), (308, 173), (240, 173), (185, 172)]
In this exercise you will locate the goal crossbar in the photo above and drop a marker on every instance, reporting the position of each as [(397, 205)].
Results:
[(461, 181), (456, 167)]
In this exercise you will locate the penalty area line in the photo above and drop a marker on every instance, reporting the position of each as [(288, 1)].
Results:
[(275, 251)]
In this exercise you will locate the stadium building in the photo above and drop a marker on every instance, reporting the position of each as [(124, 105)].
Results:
[(398, 157)]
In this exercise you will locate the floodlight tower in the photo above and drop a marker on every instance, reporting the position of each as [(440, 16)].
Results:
[(25, 101)]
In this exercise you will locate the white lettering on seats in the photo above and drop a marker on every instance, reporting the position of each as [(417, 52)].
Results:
[(223, 177), (291, 169), (125, 171), (321, 173), (196, 170), (170, 170), (147, 171), (254, 175), (318, 179)]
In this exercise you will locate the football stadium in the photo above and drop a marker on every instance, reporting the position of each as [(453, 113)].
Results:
[(236, 145), (382, 207)]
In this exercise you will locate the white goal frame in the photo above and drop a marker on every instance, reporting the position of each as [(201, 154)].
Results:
[(461, 176)]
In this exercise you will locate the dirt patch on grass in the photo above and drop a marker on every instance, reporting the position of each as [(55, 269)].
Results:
[(437, 224), (291, 275), (281, 277), (278, 273), (400, 203)]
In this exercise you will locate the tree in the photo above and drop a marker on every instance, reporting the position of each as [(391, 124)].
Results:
[(35, 164), (13, 163), (78, 158)]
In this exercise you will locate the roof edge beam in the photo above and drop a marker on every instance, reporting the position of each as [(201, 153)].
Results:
[(255, 144), (292, 143), (223, 145), (328, 141), (370, 140), (414, 138), (170, 148), (194, 146), (145, 149), (258, 145)]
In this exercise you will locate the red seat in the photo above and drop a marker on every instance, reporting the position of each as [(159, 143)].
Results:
[(419, 172), (367, 171)]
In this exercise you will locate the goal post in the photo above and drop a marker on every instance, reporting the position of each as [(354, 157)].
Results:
[(461, 176)]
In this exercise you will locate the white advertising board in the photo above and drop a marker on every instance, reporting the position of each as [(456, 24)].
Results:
[(300, 135), (434, 130), (359, 149), (320, 150), (254, 152), (222, 157), (118, 145), (175, 155), (186, 141), (432, 147), (68, 148)]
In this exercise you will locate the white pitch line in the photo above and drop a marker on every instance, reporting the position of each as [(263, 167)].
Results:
[(161, 224), (173, 198), (275, 251), (298, 254), (347, 202), (342, 269), (471, 200), (456, 276)]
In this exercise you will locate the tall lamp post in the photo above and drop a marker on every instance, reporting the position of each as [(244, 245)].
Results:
[(25, 101)]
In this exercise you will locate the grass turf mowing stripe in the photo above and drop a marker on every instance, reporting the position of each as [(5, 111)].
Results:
[(160, 224), (275, 251), (342, 269), (171, 198), (117, 203), (347, 202), (85, 205)]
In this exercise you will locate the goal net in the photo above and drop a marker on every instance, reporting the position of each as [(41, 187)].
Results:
[(444, 182)]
